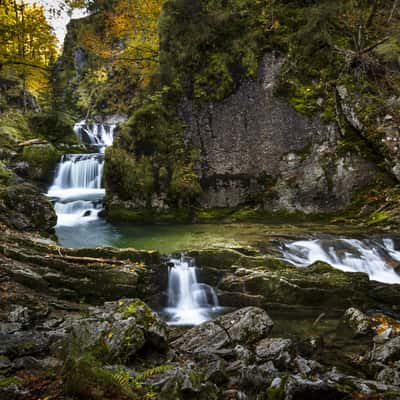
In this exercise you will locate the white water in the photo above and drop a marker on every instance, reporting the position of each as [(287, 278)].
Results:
[(77, 187), (99, 135), (189, 302), (373, 257)]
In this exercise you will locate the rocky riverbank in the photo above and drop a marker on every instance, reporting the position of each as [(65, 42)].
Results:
[(72, 326)]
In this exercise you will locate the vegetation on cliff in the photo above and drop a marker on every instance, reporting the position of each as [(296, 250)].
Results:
[(143, 59)]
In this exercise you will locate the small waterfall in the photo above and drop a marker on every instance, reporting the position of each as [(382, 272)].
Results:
[(82, 171), (99, 135), (377, 258), (77, 187), (189, 302)]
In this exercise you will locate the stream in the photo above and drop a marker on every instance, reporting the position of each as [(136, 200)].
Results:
[(78, 193)]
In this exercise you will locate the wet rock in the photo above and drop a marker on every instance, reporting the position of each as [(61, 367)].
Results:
[(22, 343), (358, 322), (243, 353), (389, 351), (244, 326), (23, 208), (5, 363), (11, 389), (306, 367), (216, 372), (383, 337), (297, 387), (36, 364), (310, 345), (275, 349), (390, 375), (123, 328), (184, 383), (384, 326)]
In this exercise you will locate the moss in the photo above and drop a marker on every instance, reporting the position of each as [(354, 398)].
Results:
[(85, 377), (377, 218), (277, 393), (6, 176), (55, 127), (4, 382), (389, 52), (42, 160), (139, 310), (149, 215), (127, 177), (151, 160), (13, 129)]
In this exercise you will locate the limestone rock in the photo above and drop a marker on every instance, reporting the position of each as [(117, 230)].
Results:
[(244, 326), (359, 322)]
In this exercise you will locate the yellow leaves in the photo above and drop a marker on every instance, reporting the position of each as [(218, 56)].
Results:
[(27, 43), (109, 335), (128, 37)]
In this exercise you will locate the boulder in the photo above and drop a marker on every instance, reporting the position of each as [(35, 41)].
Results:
[(389, 351), (357, 321), (121, 328), (244, 326), (276, 350)]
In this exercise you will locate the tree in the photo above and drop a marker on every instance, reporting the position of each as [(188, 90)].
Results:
[(28, 45)]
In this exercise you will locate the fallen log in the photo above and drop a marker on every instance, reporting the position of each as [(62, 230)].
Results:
[(32, 142)]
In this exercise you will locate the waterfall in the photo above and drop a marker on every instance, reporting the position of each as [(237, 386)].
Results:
[(99, 135), (77, 186), (377, 258), (189, 302), (82, 171)]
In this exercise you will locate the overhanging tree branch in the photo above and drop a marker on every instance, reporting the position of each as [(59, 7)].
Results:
[(26, 64)]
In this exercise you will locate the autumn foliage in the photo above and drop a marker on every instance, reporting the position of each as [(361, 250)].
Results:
[(28, 45)]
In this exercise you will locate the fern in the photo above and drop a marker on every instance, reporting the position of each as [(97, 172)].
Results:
[(153, 371), (121, 377)]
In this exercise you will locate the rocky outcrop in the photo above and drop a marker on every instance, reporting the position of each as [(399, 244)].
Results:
[(75, 274), (269, 282), (382, 133), (242, 327), (255, 148), (24, 208)]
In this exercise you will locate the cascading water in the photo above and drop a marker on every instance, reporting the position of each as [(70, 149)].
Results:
[(189, 302), (377, 258), (77, 187)]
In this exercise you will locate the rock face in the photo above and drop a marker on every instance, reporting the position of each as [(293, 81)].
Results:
[(353, 107), (255, 147), (22, 207)]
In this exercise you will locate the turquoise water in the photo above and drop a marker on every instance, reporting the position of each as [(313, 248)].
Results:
[(164, 238), (175, 238)]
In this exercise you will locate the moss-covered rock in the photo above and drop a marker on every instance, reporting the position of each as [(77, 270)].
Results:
[(54, 126), (42, 160), (22, 207), (118, 331)]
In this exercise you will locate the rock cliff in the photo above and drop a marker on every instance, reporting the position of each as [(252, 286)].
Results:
[(255, 148)]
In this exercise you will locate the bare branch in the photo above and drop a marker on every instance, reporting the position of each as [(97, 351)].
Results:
[(376, 44), (26, 64), (395, 4)]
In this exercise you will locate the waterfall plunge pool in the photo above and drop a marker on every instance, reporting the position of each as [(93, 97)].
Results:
[(377, 255)]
